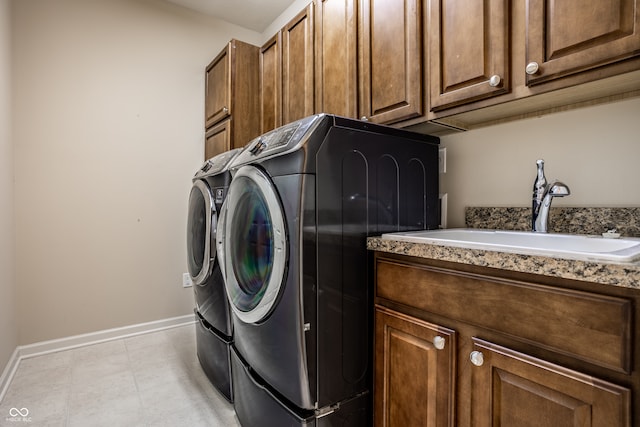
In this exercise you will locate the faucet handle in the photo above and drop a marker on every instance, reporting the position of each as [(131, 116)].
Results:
[(559, 189)]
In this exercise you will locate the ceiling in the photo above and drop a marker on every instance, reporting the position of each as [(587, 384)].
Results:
[(255, 15)]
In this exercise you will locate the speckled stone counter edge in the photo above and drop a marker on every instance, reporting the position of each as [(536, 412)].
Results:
[(623, 275)]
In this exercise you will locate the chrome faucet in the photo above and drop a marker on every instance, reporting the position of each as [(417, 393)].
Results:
[(543, 194)]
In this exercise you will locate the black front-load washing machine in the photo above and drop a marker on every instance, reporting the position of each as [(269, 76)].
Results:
[(214, 330), (292, 243)]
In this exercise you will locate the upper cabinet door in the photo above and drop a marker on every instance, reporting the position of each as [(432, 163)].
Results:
[(271, 84), (392, 60), (218, 87), (298, 67), (337, 58), (469, 58), (217, 139), (569, 36)]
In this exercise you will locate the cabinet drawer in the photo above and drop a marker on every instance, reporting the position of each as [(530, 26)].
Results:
[(591, 327)]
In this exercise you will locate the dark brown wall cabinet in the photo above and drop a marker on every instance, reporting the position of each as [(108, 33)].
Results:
[(458, 63), (534, 55), (470, 51), (218, 139), (565, 37), (337, 57), (231, 93), (392, 68), (271, 84), (287, 73), (298, 97)]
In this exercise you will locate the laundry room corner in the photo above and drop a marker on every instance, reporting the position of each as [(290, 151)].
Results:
[(8, 328), (103, 157)]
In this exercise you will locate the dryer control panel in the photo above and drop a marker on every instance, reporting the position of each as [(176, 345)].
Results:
[(278, 141), (217, 164)]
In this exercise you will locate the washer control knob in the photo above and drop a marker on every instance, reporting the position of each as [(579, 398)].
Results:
[(206, 166), (258, 147)]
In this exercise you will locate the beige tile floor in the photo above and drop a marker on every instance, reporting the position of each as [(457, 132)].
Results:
[(148, 380)]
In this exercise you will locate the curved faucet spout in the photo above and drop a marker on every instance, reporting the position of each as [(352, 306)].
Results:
[(555, 189), (543, 194)]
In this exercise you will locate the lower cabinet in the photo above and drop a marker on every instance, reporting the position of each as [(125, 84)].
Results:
[(509, 388), (414, 371), (448, 351)]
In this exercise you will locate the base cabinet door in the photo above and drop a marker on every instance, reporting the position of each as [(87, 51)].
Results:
[(414, 372), (509, 388)]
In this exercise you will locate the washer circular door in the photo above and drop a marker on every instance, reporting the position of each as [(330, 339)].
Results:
[(201, 226), (253, 244)]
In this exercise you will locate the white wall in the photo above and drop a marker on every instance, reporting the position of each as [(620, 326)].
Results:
[(594, 150), (109, 106), (8, 331)]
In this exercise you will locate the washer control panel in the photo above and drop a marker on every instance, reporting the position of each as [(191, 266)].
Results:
[(277, 141)]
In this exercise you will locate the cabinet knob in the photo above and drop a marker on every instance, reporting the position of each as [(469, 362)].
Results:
[(495, 80), (477, 358), (225, 110), (532, 68), (364, 118), (439, 342)]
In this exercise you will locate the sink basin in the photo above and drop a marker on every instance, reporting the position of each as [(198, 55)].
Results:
[(580, 247)]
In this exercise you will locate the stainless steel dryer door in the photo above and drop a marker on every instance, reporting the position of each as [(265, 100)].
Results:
[(201, 226), (252, 239)]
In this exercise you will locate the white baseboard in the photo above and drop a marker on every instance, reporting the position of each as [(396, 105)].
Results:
[(8, 373), (44, 347)]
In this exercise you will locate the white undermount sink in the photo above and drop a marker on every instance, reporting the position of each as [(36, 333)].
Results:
[(580, 247)]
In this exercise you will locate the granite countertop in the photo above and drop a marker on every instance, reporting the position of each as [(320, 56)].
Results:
[(564, 220), (623, 275)]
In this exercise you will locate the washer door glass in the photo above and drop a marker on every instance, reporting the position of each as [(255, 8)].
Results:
[(200, 225), (254, 244)]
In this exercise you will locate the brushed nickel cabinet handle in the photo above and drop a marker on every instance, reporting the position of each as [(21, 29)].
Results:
[(532, 68), (439, 342), (477, 358), (495, 80)]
